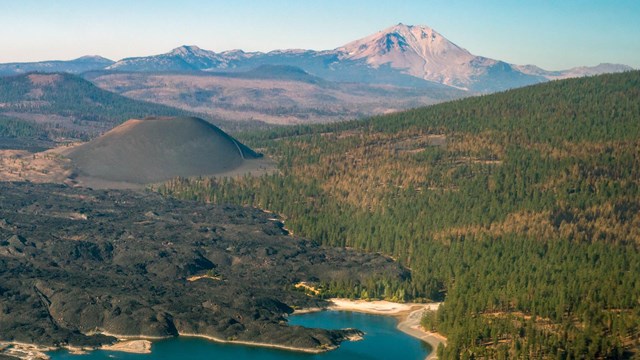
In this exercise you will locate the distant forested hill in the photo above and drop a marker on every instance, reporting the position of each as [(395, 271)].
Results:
[(38, 106), (520, 209)]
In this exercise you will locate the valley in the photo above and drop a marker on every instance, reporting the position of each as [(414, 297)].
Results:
[(274, 95)]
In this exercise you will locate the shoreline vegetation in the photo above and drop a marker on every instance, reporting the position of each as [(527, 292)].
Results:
[(408, 316)]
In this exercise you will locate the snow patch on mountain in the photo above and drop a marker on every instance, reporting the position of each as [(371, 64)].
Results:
[(419, 51), (401, 55)]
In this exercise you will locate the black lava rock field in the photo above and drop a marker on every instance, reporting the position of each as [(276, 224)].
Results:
[(77, 265)]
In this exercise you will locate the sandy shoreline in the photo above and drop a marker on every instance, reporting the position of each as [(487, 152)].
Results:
[(130, 346), (259, 344), (411, 326), (138, 344), (24, 350), (39, 352), (408, 315)]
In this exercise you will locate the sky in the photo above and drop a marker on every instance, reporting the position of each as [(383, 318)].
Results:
[(553, 34)]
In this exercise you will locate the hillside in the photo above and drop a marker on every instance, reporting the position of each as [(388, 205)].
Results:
[(39, 110), (157, 149), (20, 134), (520, 209), (69, 106)]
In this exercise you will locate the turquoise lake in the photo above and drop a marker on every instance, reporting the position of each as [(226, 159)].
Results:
[(382, 341)]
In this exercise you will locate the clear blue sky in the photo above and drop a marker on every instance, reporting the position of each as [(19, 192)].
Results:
[(552, 34)]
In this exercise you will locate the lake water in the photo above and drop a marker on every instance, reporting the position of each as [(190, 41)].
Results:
[(381, 341)]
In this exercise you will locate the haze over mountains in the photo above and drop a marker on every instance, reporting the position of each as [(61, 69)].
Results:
[(401, 55)]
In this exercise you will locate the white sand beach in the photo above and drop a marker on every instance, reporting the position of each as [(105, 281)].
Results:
[(408, 315)]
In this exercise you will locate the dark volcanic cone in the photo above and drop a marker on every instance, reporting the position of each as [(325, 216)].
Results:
[(158, 149)]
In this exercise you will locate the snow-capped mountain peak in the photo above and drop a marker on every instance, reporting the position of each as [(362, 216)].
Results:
[(418, 51), (96, 58), (403, 55), (191, 50), (183, 58)]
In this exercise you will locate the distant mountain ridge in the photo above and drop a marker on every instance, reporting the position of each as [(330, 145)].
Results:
[(421, 52), (76, 66), (401, 55)]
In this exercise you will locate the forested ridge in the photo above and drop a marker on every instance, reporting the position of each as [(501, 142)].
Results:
[(72, 97), (520, 209), (62, 106)]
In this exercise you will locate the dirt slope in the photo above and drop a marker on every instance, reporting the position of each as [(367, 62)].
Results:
[(157, 149)]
